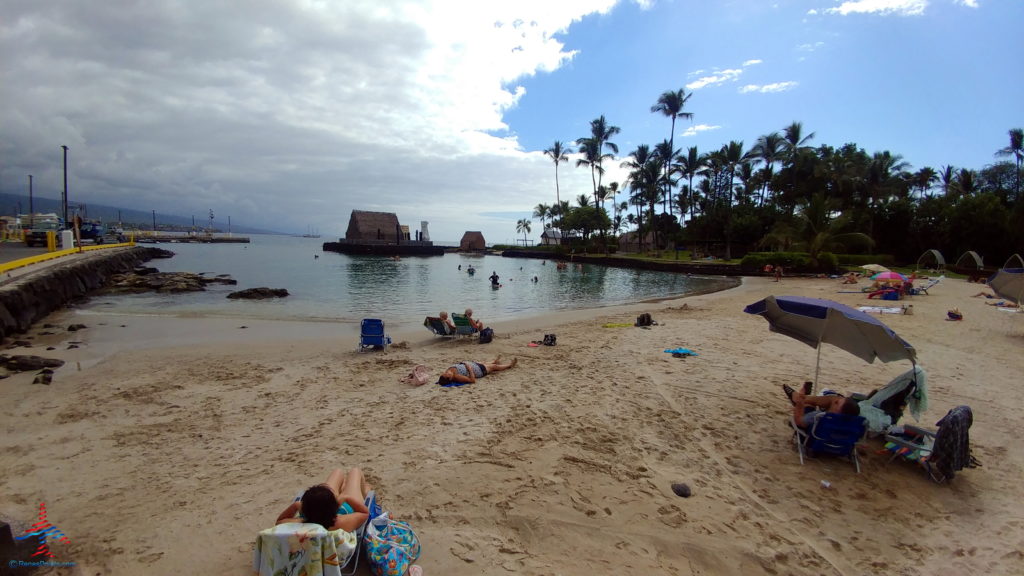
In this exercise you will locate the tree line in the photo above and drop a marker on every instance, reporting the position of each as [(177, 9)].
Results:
[(784, 193)]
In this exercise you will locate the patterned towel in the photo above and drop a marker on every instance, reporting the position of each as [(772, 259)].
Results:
[(296, 548)]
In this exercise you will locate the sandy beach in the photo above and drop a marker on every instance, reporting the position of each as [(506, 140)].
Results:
[(165, 444)]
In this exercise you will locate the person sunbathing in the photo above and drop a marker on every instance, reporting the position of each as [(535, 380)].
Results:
[(984, 294), (850, 278), (466, 372), (807, 409), (1001, 304), (338, 504)]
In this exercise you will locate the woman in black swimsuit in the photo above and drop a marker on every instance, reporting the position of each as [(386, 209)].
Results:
[(467, 372)]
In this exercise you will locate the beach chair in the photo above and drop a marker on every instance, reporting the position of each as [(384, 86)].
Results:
[(462, 325), (924, 289), (372, 335), (330, 552), (884, 407), (438, 327), (942, 452), (835, 434)]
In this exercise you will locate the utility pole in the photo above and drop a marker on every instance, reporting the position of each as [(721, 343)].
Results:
[(64, 199), (30, 207), (154, 222)]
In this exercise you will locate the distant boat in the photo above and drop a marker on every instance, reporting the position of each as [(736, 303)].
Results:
[(311, 233)]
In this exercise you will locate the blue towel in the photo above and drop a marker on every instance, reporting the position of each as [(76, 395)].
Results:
[(684, 351)]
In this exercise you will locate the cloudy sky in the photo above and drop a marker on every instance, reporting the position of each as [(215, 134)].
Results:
[(289, 114)]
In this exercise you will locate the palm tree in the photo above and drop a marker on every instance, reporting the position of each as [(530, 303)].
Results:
[(671, 103), (664, 151), (1015, 149), (923, 179), (523, 226), (948, 178), (820, 231), (769, 148), (558, 154), (542, 211), (591, 154), (601, 134), (689, 166), (794, 142)]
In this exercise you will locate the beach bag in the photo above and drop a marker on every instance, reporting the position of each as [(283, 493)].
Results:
[(391, 546), (549, 339), (486, 335), (644, 320), (419, 376)]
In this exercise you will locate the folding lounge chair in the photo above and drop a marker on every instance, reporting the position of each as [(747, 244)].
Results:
[(438, 327), (941, 452), (884, 407), (462, 325), (931, 284), (372, 336), (836, 434)]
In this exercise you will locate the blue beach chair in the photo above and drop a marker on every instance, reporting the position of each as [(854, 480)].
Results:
[(438, 327), (372, 335), (836, 434)]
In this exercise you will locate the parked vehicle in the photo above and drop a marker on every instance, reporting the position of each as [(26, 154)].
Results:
[(36, 226), (91, 230)]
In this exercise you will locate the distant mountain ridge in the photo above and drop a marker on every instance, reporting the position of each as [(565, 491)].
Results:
[(108, 214)]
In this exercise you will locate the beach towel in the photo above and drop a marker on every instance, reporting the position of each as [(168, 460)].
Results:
[(677, 352), (298, 548), (881, 309)]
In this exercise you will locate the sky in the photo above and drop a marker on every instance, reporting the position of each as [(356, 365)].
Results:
[(287, 115)]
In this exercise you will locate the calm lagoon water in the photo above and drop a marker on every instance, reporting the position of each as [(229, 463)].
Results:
[(344, 288)]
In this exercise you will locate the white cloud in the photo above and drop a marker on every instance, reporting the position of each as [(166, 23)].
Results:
[(751, 63), (968, 3), (810, 47), (694, 130), (718, 77), (812, 12), (883, 7), (768, 88), (286, 115)]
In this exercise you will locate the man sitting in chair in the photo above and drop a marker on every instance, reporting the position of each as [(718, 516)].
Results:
[(807, 409)]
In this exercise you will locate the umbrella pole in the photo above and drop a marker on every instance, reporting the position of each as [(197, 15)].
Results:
[(817, 368)]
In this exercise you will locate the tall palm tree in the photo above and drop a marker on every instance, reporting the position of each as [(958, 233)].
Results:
[(523, 227), (664, 151), (924, 178), (558, 154), (769, 148), (689, 165), (542, 211), (671, 103), (794, 142), (948, 178), (590, 157), (601, 133), (820, 230), (1015, 149)]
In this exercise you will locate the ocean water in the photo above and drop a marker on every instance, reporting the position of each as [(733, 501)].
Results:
[(336, 287)]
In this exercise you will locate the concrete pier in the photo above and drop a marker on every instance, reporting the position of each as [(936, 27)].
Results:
[(45, 287)]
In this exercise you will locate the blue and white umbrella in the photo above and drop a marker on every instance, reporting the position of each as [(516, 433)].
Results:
[(814, 322)]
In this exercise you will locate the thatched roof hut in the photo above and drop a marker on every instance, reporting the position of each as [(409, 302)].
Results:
[(472, 241), (364, 225)]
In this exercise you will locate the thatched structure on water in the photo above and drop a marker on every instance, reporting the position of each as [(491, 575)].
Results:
[(373, 226), (472, 241)]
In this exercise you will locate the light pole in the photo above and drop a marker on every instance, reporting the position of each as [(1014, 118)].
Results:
[(30, 208), (64, 199)]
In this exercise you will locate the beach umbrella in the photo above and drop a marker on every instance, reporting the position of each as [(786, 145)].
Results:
[(1008, 283), (889, 277), (875, 268), (814, 322)]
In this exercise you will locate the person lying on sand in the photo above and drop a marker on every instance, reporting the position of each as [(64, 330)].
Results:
[(338, 504), (807, 409), (984, 294), (1001, 304), (466, 372)]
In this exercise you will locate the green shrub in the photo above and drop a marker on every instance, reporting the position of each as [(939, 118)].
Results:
[(856, 260)]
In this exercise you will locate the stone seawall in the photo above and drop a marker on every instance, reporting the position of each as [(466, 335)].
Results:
[(32, 297)]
